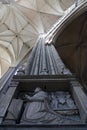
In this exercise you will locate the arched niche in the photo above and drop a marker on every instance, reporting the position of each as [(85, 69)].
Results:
[(71, 44)]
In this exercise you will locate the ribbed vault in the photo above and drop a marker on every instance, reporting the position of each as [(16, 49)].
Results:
[(20, 25), (5, 61), (17, 35), (52, 6)]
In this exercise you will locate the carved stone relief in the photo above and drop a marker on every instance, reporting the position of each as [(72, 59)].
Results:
[(62, 100), (50, 108), (43, 107)]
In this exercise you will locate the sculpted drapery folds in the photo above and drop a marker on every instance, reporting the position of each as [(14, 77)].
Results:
[(38, 110)]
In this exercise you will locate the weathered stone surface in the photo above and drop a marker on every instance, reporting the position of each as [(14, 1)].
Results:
[(1, 119), (9, 122), (14, 109), (38, 110), (70, 103), (5, 101), (81, 101), (62, 101), (38, 60)]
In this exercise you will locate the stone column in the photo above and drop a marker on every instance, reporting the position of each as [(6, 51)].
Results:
[(44, 60), (80, 98)]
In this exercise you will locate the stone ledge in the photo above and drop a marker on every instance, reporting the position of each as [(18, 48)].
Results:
[(51, 127)]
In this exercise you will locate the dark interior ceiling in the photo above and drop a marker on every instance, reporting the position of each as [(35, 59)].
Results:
[(72, 46)]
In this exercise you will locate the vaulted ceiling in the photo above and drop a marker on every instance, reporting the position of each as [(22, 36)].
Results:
[(21, 23)]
